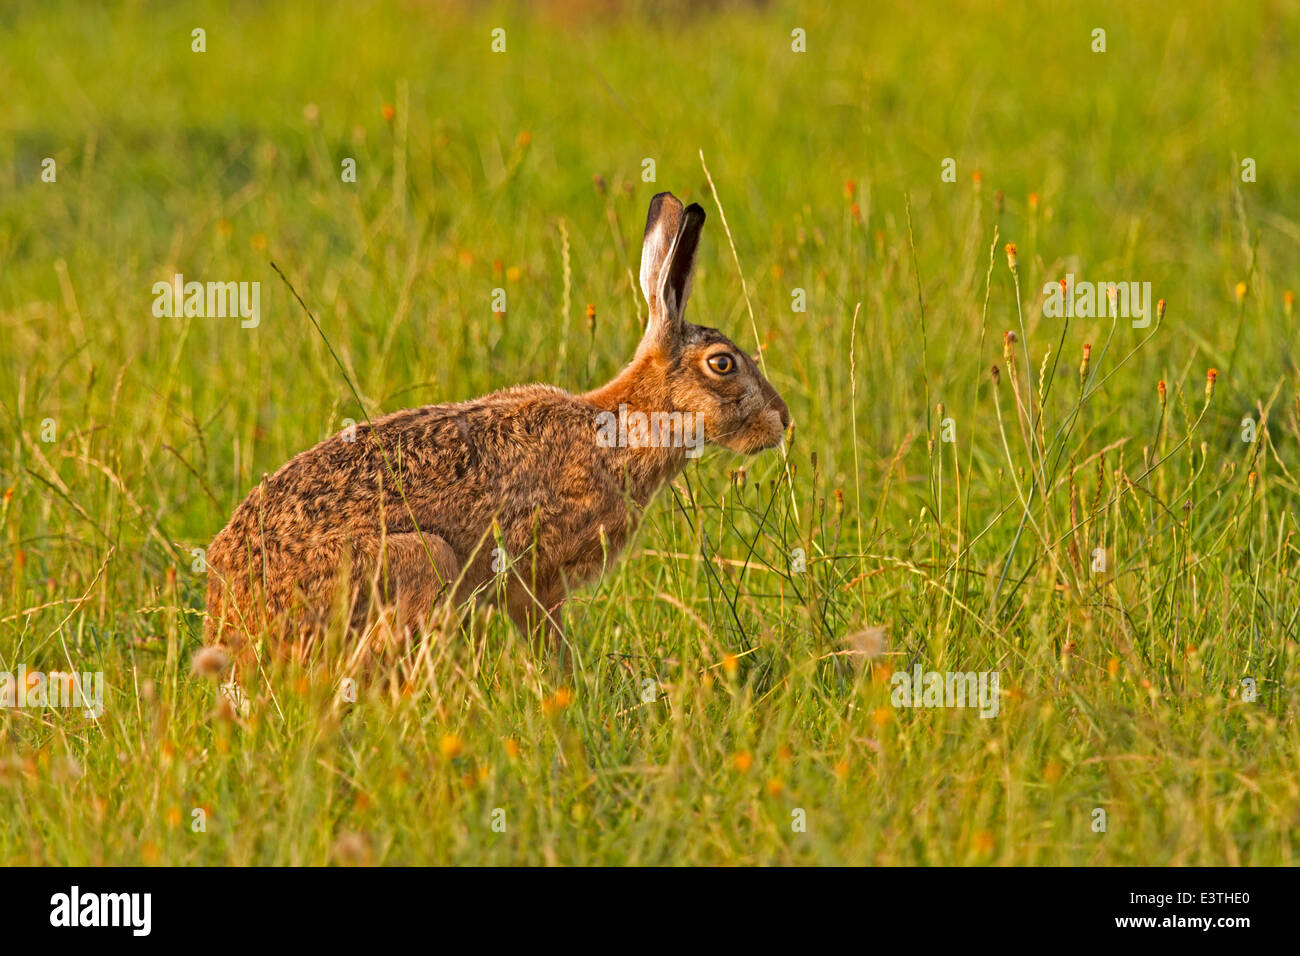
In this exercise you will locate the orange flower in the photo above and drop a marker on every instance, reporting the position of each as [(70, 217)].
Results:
[(742, 761), (388, 112), (451, 746), (557, 702)]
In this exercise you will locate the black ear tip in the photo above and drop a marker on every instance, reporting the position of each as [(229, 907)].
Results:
[(695, 209)]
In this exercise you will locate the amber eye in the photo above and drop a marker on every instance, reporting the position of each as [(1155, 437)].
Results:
[(722, 363)]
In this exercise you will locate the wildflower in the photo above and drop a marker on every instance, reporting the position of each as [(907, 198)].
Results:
[(1160, 387), (1033, 202), (209, 661), (1288, 302), (731, 664), (1211, 377), (557, 702), (351, 848), (388, 112), (451, 746), (591, 317), (1240, 292), (1011, 256), (1160, 310), (1008, 341), (1087, 360), (850, 187), (742, 761), (868, 643)]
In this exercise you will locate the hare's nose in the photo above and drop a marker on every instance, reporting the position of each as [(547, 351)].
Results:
[(784, 412)]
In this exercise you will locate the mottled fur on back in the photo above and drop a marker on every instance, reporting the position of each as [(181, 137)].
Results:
[(418, 503)]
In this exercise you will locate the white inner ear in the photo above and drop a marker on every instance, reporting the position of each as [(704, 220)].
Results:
[(655, 254), (672, 308)]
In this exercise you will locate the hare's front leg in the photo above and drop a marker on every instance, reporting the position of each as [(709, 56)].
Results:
[(414, 572), (536, 612)]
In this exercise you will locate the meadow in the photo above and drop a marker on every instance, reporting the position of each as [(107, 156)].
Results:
[(1115, 536)]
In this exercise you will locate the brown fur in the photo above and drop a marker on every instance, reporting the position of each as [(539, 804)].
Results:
[(410, 508)]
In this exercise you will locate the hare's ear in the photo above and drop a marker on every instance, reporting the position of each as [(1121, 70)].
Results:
[(672, 235)]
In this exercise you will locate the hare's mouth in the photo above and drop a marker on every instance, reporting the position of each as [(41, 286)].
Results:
[(759, 435)]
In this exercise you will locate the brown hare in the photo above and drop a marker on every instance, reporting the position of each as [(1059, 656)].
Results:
[(523, 494)]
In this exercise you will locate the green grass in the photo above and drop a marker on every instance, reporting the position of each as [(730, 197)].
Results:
[(1121, 690)]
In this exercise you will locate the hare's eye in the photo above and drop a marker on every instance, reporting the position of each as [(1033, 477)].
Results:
[(722, 363)]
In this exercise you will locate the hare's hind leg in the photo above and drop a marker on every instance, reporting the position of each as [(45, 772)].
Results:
[(414, 572)]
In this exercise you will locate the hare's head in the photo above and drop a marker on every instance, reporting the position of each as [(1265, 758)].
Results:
[(698, 369)]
